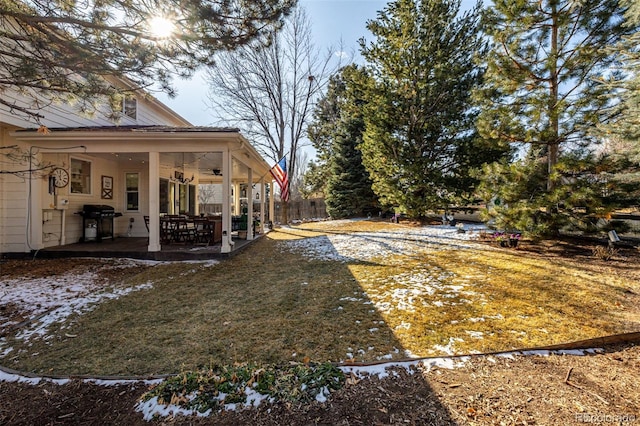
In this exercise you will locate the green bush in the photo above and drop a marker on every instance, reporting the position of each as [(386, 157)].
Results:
[(213, 388), (519, 197)]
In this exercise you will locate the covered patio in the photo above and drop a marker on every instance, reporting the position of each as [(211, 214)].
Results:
[(145, 174), (136, 248)]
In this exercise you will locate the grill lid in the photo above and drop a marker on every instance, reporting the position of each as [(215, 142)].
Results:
[(99, 208)]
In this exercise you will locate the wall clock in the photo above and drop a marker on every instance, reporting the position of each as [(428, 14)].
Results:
[(61, 177)]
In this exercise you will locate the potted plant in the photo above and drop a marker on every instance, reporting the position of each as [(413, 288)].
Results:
[(501, 238), (507, 239)]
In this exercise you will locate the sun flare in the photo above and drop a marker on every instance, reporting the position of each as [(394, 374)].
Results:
[(161, 27)]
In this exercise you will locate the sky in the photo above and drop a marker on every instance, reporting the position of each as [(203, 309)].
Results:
[(333, 22)]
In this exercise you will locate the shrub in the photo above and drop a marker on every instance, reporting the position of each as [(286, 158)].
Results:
[(213, 388), (604, 253)]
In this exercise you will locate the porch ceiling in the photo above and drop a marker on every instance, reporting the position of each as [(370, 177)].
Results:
[(201, 148), (204, 162)]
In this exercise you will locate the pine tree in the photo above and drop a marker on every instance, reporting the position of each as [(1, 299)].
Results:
[(54, 51), (336, 134), (621, 156), (512, 189), (419, 143), (625, 122), (541, 93), (541, 81)]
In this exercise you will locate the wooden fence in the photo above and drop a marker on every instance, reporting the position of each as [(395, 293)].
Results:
[(313, 208)]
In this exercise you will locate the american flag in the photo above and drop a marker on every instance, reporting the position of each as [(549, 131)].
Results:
[(279, 173)]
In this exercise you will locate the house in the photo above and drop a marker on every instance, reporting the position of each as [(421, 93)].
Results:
[(149, 163)]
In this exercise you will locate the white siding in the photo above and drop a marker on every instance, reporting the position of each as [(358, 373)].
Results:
[(55, 115), (150, 112), (15, 210), (13, 199), (100, 167)]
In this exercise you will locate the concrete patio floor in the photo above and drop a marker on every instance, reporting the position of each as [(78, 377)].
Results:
[(136, 248)]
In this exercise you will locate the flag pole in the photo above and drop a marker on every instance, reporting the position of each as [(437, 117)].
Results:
[(277, 162)]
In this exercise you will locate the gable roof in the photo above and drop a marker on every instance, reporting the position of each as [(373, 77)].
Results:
[(139, 128)]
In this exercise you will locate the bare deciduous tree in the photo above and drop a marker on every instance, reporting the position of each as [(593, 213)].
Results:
[(206, 195), (269, 91), (296, 180)]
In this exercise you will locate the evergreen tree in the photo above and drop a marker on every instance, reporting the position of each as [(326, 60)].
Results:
[(625, 122), (541, 93), (314, 181), (336, 134), (578, 199), (419, 144), (321, 132), (620, 160), (349, 192), (54, 51)]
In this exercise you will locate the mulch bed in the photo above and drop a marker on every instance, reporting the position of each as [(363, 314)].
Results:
[(532, 390)]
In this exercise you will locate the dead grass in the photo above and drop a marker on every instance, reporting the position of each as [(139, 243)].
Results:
[(272, 306), (254, 307), (507, 301)]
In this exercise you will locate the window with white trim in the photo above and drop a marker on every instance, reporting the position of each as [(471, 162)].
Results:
[(80, 176), (132, 181), (130, 107)]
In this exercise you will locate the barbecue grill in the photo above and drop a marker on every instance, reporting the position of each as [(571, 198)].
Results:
[(98, 216)]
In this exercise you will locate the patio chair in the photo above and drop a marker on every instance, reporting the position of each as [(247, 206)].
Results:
[(167, 229), (203, 230), (183, 230), (146, 224)]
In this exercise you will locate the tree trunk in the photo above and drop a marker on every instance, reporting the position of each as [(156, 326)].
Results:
[(554, 121), (552, 160), (285, 212)]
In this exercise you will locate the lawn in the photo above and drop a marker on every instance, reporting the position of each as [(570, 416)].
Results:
[(331, 291)]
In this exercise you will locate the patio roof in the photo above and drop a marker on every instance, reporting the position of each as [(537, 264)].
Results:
[(137, 128), (173, 142), (209, 154)]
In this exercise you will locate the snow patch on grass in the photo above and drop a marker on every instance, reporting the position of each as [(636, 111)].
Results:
[(40, 327), (45, 302), (364, 246), (449, 348)]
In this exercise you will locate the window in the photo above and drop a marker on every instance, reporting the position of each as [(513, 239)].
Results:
[(183, 207), (192, 199), (130, 107), (133, 191), (80, 176), (164, 196)]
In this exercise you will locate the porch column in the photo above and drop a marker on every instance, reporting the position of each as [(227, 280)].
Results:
[(262, 216), (236, 199), (227, 244), (34, 209), (249, 204), (154, 202), (272, 205)]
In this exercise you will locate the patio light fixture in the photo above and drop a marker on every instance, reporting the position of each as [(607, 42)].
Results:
[(179, 176)]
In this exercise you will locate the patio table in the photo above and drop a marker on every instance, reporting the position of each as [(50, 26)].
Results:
[(176, 228), (190, 230)]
